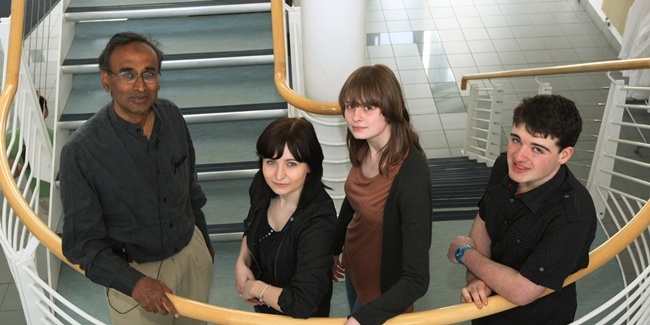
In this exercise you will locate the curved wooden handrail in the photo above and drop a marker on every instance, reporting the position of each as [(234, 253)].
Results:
[(445, 315), (603, 66), (215, 314), (280, 69)]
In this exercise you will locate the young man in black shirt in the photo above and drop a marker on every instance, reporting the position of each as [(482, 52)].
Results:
[(536, 221)]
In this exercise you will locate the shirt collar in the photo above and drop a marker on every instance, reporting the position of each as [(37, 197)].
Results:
[(131, 128), (535, 198)]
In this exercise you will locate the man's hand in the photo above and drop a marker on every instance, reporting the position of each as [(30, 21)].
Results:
[(476, 291), (151, 295), (459, 241), (338, 272)]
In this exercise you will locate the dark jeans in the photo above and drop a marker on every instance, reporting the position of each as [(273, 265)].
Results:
[(353, 302)]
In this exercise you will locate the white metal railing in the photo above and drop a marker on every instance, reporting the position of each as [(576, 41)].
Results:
[(483, 129), (41, 303)]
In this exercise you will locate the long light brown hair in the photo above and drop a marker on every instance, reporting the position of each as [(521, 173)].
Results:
[(377, 86)]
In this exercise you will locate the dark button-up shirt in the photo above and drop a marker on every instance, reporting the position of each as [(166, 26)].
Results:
[(545, 234), (122, 191)]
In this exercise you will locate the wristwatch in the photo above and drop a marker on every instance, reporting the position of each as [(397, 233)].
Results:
[(460, 251)]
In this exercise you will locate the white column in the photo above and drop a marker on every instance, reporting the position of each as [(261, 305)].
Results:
[(333, 46)]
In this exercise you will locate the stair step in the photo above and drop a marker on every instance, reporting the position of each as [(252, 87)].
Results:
[(205, 41), (454, 215), (468, 202), (458, 184), (239, 165), (451, 194), (228, 201), (458, 181), (453, 160), (80, 10), (460, 174), (226, 142), (189, 89)]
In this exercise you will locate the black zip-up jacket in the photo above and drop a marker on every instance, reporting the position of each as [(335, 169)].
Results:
[(301, 259)]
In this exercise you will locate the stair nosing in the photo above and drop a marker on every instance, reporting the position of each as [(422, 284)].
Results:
[(76, 14)]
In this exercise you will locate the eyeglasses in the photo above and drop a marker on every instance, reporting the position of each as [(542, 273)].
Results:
[(129, 77)]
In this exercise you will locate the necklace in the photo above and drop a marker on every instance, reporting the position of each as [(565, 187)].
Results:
[(267, 235)]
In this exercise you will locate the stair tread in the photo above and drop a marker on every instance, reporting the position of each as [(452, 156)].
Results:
[(202, 34), (458, 184), (189, 111), (102, 5), (454, 215), (186, 56), (214, 142), (187, 88)]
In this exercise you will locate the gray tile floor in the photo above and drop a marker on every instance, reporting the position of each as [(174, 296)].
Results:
[(431, 44)]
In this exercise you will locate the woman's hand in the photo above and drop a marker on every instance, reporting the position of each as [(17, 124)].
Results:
[(338, 271), (249, 292), (242, 274)]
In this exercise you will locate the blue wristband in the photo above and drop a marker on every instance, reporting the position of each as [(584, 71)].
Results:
[(460, 251)]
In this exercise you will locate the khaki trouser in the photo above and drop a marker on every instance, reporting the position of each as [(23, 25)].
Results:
[(188, 273)]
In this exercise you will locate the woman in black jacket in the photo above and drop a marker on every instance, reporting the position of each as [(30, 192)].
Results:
[(285, 263)]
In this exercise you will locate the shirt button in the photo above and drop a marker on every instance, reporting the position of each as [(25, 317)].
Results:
[(505, 222), (139, 130), (171, 225), (512, 200), (164, 200), (541, 269), (566, 196), (518, 241)]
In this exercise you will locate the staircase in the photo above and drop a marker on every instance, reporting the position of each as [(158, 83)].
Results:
[(218, 68), (458, 184)]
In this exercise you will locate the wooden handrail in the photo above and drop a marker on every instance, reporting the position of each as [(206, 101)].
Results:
[(631, 64), (445, 315), (215, 314), (280, 68)]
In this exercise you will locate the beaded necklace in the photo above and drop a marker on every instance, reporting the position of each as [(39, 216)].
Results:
[(267, 235)]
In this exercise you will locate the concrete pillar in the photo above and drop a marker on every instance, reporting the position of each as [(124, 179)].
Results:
[(333, 45)]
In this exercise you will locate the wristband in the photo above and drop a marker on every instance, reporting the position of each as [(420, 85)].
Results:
[(460, 251), (261, 297)]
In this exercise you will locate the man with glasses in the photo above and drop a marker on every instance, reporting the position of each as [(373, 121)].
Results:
[(131, 198)]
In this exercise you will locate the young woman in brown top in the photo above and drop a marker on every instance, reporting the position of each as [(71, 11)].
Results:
[(384, 226)]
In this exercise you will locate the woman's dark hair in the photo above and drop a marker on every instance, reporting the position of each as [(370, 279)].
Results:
[(377, 86), (42, 101), (124, 38), (300, 138)]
